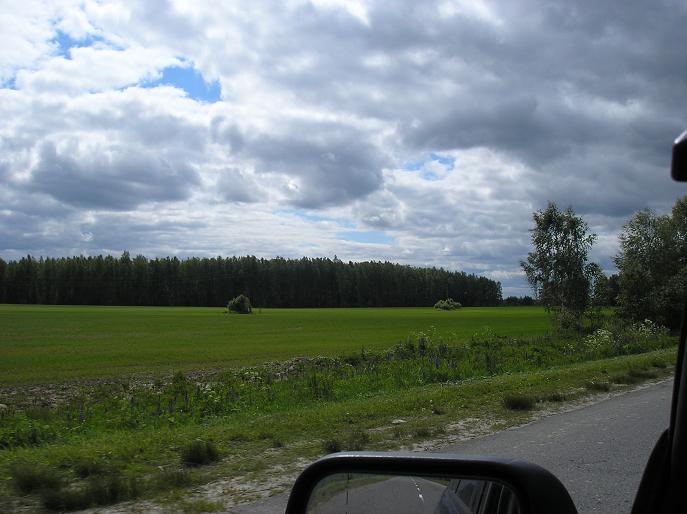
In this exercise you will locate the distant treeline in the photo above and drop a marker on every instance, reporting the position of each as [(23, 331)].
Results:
[(108, 280), (519, 301)]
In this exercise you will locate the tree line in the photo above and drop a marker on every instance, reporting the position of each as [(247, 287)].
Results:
[(278, 282)]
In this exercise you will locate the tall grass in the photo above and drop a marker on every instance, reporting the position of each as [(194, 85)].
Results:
[(421, 359)]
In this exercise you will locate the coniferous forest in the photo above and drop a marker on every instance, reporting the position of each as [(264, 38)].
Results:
[(278, 282)]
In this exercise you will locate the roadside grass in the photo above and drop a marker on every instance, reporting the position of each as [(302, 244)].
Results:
[(598, 385), (90, 342), (143, 462), (556, 397)]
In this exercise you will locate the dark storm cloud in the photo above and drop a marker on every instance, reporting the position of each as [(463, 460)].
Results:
[(112, 178), (559, 76)]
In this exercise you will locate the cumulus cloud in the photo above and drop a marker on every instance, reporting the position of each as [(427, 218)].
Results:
[(441, 125), (109, 178)]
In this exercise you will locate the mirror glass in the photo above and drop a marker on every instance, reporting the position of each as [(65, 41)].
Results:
[(363, 493)]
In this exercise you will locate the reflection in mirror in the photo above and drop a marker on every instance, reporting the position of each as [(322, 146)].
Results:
[(365, 493)]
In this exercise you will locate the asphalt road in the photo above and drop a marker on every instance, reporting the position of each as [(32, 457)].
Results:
[(598, 451)]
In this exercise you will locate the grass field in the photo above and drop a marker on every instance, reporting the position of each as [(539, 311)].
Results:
[(162, 435), (41, 344)]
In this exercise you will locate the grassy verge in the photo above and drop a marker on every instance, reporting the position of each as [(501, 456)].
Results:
[(262, 449)]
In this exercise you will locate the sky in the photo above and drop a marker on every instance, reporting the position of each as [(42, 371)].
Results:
[(424, 133)]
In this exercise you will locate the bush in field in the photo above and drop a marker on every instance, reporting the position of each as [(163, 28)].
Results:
[(447, 305), (240, 305)]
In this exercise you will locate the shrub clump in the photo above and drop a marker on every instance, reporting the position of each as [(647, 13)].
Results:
[(518, 402), (331, 445), (447, 305), (105, 490), (198, 453), (240, 305), (32, 476), (357, 440)]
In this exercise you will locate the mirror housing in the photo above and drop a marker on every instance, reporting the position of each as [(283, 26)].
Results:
[(678, 169), (538, 490)]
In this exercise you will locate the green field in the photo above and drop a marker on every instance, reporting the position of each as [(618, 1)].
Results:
[(50, 343), (79, 444)]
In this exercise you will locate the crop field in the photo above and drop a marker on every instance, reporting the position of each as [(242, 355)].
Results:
[(42, 344)]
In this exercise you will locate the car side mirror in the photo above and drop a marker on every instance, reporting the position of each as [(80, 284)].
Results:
[(371, 482), (678, 168)]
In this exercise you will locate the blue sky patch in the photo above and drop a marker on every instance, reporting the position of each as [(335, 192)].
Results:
[(65, 42), (446, 160), (419, 165), (8, 84), (372, 236), (413, 165), (191, 81), (308, 216)]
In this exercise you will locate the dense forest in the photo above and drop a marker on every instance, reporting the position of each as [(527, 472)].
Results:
[(108, 280)]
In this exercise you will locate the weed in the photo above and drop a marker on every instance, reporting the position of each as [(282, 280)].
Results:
[(32, 476), (199, 506), (331, 445), (659, 364), (171, 479), (64, 499), (556, 396), (86, 466), (105, 490), (199, 452), (642, 373), (109, 489), (421, 433), (357, 440), (518, 402), (398, 433), (597, 385), (436, 409), (276, 443), (626, 378)]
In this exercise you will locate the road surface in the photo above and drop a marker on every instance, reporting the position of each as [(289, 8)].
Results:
[(598, 451)]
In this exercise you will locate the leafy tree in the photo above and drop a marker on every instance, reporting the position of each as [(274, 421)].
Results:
[(653, 273), (447, 305), (240, 305), (557, 268)]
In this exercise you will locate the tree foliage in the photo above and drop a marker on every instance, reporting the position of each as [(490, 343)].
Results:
[(447, 305), (240, 305), (517, 301), (651, 263), (278, 282), (557, 268)]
